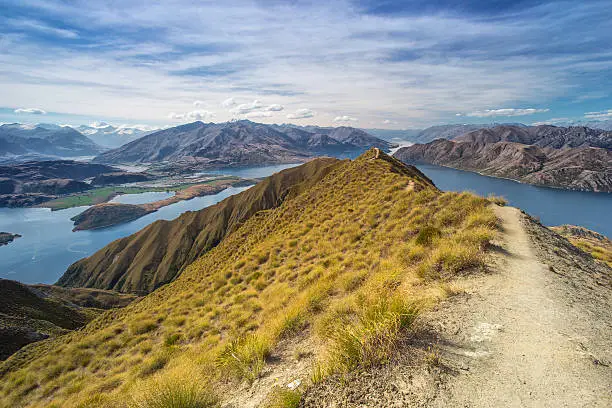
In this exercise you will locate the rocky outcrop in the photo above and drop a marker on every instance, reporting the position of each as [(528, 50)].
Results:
[(6, 238)]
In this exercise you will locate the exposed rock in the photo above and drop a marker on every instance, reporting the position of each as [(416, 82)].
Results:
[(6, 238)]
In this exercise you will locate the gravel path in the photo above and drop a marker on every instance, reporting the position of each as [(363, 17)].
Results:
[(521, 339)]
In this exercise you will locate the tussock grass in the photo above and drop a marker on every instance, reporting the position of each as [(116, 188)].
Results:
[(373, 337), (336, 264), (244, 357), (283, 398), (175, 391)]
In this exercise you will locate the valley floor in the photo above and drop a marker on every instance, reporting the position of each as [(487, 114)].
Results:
[(535, 331)]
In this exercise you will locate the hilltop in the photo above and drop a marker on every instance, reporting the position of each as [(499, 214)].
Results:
[(35, 182), (241, 143)]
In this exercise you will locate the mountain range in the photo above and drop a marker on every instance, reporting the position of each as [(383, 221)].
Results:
[(242, 143), (575, 158), (36, 141), (110, 136)]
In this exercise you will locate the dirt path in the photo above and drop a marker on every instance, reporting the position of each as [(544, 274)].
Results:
[(519, 338)]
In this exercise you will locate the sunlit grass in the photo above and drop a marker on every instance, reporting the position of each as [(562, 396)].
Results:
[(349, 263)]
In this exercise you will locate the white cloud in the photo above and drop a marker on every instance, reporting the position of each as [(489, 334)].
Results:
[(345, 118), (389, 122), (198, 103), (487, 113), (599, 115), (34, 111), (554, 121), (247, 107), (301, 114), (193, 115), (228, 103), (258, 114), (274, 108)]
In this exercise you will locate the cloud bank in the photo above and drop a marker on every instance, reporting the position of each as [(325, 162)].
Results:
[(33, 111), (489, 113)]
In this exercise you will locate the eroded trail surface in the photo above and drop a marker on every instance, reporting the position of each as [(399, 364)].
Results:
[(536, 332)]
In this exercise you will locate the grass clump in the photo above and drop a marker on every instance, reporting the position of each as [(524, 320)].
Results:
[(283, 398), (142, 326), (175, 392), (244, 358), (373, 338), (154, 364)]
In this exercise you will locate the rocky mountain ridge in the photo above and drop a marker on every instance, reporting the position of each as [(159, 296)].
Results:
[(572, 158), (241, 143), (19, 140)]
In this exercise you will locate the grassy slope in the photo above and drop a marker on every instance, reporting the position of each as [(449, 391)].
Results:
[(352, 258), (27, 315), (156, 254), (599, 246)]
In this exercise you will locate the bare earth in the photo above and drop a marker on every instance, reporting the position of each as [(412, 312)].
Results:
[(524, 341), (535, 331)]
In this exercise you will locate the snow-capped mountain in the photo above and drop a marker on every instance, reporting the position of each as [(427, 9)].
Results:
[(108, 135)]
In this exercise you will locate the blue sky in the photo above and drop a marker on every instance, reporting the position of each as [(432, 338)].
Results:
[(385, 64)]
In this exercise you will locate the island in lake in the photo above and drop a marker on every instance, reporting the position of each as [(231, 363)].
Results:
[(6, 238)]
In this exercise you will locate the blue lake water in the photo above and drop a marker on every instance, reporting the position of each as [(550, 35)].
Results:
[(142, 198), (552, 206), (48, 245)]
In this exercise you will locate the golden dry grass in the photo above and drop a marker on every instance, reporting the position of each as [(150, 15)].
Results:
[(352, 258)]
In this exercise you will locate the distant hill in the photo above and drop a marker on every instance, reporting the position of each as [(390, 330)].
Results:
[(392, 135), (574, 158), (32, 183), (31, 313), (44, 140), (452, 131), (156, 254), (543, 136), (241, 143), (111, 136)]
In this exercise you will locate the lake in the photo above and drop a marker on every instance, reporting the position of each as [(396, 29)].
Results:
[(48, 245), (552, 206), (142, 198)]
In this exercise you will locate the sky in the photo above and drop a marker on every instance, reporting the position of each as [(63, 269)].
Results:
[(371, 64)]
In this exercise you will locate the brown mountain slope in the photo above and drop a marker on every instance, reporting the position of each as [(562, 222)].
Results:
[(543, 136), (156, 254), (30, 313), (583, 168)]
